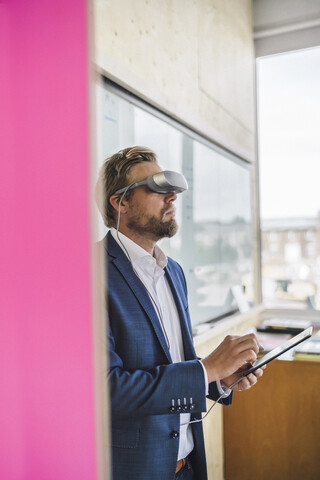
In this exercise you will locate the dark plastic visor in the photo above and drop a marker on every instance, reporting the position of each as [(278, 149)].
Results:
[(161, 182)]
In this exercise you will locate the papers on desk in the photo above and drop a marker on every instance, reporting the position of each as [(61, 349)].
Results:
[(284, 325), (311, 346)]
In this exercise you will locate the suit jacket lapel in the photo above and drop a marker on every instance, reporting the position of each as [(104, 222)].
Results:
[(125, 268)]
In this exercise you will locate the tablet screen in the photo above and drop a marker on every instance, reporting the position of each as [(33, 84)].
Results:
[(280, 350)]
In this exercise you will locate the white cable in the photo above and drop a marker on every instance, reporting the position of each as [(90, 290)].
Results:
[(159, 313), (215, 403)]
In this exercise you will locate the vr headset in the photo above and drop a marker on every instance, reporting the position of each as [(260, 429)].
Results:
[(161, 182)]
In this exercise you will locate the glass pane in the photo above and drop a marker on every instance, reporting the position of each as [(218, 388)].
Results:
[(236, 228), (206, 296), (289, 152), (213, 243)]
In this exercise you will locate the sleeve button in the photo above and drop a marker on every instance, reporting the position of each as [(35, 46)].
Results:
[(174, 434)]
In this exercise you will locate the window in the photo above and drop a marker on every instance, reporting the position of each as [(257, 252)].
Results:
[(214, 241), (289, 150)]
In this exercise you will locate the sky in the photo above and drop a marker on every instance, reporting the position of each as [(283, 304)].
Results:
[(289, 134)]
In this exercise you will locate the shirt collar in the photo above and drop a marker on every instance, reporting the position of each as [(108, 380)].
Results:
[(136, 252)]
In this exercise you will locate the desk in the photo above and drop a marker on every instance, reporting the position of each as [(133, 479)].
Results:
[(272, 431)]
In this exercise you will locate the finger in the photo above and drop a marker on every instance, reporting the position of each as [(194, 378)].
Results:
[(244, 384), (256, 342), (259, 372), (248, 356), (252, 379), (249, 341), (244, 342)]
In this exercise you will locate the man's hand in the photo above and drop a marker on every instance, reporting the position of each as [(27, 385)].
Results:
[(230, 356), (247, 381)]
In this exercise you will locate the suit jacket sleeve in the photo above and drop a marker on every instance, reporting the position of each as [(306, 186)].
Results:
[(153, 391)]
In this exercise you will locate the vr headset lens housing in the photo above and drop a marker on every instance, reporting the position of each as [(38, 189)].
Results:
[(161, 182)]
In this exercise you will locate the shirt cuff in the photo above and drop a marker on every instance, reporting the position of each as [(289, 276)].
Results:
[(205, 378), (223, 391)]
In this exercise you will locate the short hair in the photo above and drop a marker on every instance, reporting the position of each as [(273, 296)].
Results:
[(114, 175)]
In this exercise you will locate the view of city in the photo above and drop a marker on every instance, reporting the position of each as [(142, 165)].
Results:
[(289, 154), (291, 260)]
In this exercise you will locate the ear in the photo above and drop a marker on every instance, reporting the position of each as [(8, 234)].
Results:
[(114, 201)]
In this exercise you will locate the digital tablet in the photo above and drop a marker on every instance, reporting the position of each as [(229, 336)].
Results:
[(301, 337)]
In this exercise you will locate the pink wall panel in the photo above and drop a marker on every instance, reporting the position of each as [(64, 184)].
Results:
[(47, 399)]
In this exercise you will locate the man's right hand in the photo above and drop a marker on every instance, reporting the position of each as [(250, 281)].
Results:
[(230, 355)]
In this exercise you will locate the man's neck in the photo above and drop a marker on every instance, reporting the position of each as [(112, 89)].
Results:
[(143, 241)]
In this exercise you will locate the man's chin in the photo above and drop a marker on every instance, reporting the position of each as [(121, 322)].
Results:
[(165, 229), (171, 228), (157, 229)]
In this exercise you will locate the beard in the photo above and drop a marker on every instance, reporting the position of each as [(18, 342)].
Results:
[(153, 226)]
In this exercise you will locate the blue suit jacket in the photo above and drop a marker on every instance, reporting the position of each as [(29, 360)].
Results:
[(144, 383)]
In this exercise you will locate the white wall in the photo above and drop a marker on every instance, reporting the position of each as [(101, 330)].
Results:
[(192, 58)]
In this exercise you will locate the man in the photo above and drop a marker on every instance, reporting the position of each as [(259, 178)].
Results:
[(157, 383)]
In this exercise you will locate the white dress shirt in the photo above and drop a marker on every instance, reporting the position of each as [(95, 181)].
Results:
[(150, 270)]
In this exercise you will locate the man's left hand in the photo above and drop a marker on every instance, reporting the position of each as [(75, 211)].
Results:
[(246, 382)]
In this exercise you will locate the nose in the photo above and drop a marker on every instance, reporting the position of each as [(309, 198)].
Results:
[(170, 197)]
